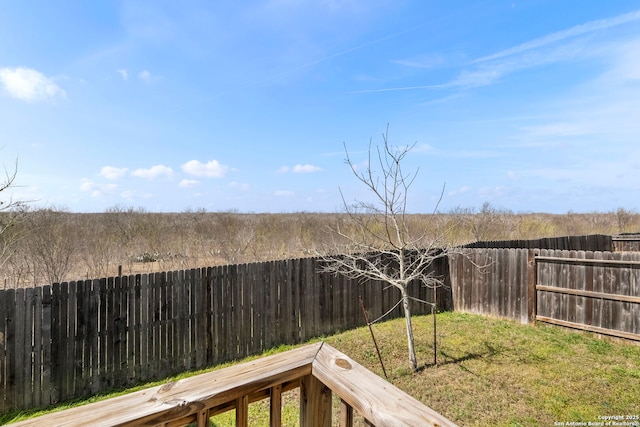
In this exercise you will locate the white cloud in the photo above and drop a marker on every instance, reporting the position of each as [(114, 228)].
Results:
[(145, 76), (188, 183), (128, 194), (562, 35), (123, 73), (29, 85), (96, 190), (211, 169), (153, 172), (424, 148), (299, 169), (111, 172), (488, 72), (424, 61), (552, 48), (462, 190), (305, 169)]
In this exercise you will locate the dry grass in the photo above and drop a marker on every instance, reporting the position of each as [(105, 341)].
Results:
[(491, 372), (50, 245), (498, 373)]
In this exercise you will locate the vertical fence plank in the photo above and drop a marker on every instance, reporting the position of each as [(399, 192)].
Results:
[(623, 288), (225, 304), (216, 315), (154, 321), (94, 336), (634, 285), (4, 318), (235, 316), (598, 274), (103, 295), (244, 333), (258, 308), (80, 383), (24, 316), (123, 336), (132, 326), (165, 310), (19, 349), (179, 320), (56, 340), (144, 327), (46, 360), (66, 362), (209, 316), (201, 315), (10, 325), (270, 301), (284, 296), (529, 277)]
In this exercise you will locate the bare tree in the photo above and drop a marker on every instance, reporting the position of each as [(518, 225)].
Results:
[(50, 244), (10, 213), (376, 242)]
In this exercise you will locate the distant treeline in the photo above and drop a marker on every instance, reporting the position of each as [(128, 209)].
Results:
[(46, 246)]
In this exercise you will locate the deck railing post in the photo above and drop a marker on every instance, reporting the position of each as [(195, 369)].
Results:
[(242, 411), (275, 406), (346, 414), (315, 403)]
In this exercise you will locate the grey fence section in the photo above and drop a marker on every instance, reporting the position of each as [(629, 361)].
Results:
[(594, 291), (626, 242), (75, 339), (493, 282)]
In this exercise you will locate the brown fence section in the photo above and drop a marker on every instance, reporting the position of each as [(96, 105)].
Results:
[(74, 339), (593, 291), (626, 242), (493, 282)]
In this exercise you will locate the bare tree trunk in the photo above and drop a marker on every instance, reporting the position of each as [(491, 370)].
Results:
[(406, 305)]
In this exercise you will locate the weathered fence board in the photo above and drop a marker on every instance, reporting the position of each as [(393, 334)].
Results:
[(492, 281), (596, 291)]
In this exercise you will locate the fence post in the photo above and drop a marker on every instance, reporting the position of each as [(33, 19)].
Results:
[(531, 285)]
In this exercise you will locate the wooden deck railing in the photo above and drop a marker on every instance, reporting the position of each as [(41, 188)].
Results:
[(318, 369)]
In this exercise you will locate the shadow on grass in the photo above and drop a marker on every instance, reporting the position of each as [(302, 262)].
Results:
[(490, 351)]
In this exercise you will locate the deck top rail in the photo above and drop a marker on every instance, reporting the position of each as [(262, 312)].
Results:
[(318, 369)]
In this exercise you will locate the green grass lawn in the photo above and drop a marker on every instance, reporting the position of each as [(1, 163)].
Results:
[(490, 372)]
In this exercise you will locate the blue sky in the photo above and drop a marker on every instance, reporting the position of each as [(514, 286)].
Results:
[(532, 106)]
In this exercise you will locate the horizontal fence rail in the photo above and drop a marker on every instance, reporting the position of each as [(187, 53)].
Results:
[(75, 339), (592, 291)]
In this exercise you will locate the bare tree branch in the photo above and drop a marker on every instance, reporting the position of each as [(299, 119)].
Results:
[(377, 242)]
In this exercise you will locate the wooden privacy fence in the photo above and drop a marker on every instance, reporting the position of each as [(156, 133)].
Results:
[(494, 282), (76, 339), (593, 291)]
